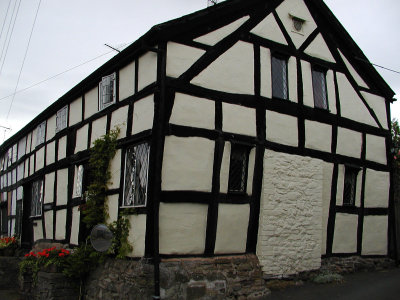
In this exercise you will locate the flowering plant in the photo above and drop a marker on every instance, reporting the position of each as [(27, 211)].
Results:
[(8, 242)]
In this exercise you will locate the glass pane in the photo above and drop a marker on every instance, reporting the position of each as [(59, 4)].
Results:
[(349, 190), (238, 169), (319, 89), (279, 78)]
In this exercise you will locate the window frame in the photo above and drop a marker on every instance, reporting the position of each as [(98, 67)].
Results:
[(103, 85), (314, 71), (62, 124), (349, 197), (285, 92), (40, 133), (37, 202), (245, 152)]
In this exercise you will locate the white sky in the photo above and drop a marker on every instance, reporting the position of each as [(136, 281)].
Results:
[(68, 33)]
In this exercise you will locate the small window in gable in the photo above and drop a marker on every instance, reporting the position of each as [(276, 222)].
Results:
[(319, 89), (107, 91), (78, 181), (40, 133), (238, 167), (279, 71), (136, 175), (297, 24), (349, 188), (37, 198), (62, 118)]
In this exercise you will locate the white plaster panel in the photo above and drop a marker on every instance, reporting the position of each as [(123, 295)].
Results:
[(147, 69), (298, 9), (91, 102), (180, 58), (376, 149), (281, 128), (61, 220), (340, 187), (38, 230), (28, 142), (319, 49), (81, 138), (232, 72), (49, 188), (143, 114), (327, 172), (330, 85), (318, 136), (119, 118), (137, 235), (12, 227), (349, 142), (377, 185), (224, 173), (34, 132), (182, 228), (353, 72), (232, 225), (351, 104), (187, 164), (345, 236), (98, 129), (20, 172), (269, 29), (62, 186), (48, 217), (40, 159), (378, 105), (26, 167), (290, 223), (51, 127), (306, 71), (127, 81), (292, 79), (374, 239), (21, 147), (75, 226), (239, 119), (266, 80), (115, 170), (215, 36), (112, 202), (50, 153), (250, 171), (62, 147), (75, 111), (193, 111)]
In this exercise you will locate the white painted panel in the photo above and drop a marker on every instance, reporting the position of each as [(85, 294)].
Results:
[(292, 79), (376, 149), (147, 69), (75, 225), (217, 35), (112, 202), (352, 106), (127, 81), (224, 173), (26, 167), (353, 72), (61, 219), (137, 235), (50, 153), (232, 72), (269, 29), (34, 133), (12, 227), (49, 188), (319, 49), (340, 187), (375, 241), (281, 128), (233, 222), (193, 111), (318, 136), (51, 127), (182, 228), (327, 171), (306, 71), (377, 186), (20, 172), (20, 193), (81, 138), (378, 105), (75, 111), (119, 118), (345, 236), (91, 102), (180, 58), (187, 164), (21, 147), (143, 114), (14, 202), (28, 142), (250, 171), (266, 81), (37, 230), (239, 119), (115, 170), (40, 159), (62, 147), (98, 129), (298, 9), (349, 142), (62, 186), (48, 217), (330, 85)]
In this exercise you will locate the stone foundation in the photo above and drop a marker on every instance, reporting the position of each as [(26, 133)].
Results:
[(9, 270)]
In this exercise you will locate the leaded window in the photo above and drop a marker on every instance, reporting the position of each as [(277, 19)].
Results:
[(78, 181), (136, 175), (238, 166), (62, 118), (40, 133), (37, 198), (319, 89), (107, 91), (350, 183), (279, 78)]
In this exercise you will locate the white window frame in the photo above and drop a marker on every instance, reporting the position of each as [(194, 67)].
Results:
[(37, 198), (107, 97), (40, 133), (62, 118)]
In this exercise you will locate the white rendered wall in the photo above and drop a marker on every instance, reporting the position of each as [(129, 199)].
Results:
[(187, 164), (81, 138), (182, 228), (115, 170), (378, 105), (137, 235), (98, 129), (143, 113), (75, 225), (62, 186), (319, 49), (180, 58), (62, 148), (119, 118), (376, 149), (250, 171), (330, 85), (127, 81), (112, 202), (327, 172), (375, 235), (91, 102), (37, 230), (349, 142), (340, 187), (281, 128), (265, 72), (50, 153), (345, 235), (61, 219), (75, 111), (377, 185), (290, 228), (238, 119), (269, 29), (48, 216), (51, 127), (49, 188), (318, 136), (39, 159), (353, 72), (306, 71), (147, 69), (292, 79)]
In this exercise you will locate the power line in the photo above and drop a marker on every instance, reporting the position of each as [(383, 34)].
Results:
[(8, 30), (368, 62), (5, 18)]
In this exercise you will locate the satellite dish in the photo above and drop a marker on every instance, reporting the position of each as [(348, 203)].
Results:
[(101, 238)]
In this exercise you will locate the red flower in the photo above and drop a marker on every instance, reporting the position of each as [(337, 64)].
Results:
[(61, 254)]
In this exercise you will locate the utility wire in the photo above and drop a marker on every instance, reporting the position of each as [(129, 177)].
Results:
[(368, 62), (8, 30), (5, 18)]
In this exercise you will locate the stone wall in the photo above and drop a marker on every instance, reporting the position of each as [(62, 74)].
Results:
[(9, 270)]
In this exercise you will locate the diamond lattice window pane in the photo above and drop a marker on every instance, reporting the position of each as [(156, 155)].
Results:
[(37, 196), (279, 78), (238, 169), (319, 89), (349, 190)]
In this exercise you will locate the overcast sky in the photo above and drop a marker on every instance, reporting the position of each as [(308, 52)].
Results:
[(69, 33)]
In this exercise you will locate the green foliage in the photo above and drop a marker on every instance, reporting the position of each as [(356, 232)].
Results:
[(328, 278), (396, 142), (120, 244)]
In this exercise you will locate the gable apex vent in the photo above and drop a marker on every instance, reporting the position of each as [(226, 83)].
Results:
[(297, 23)]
